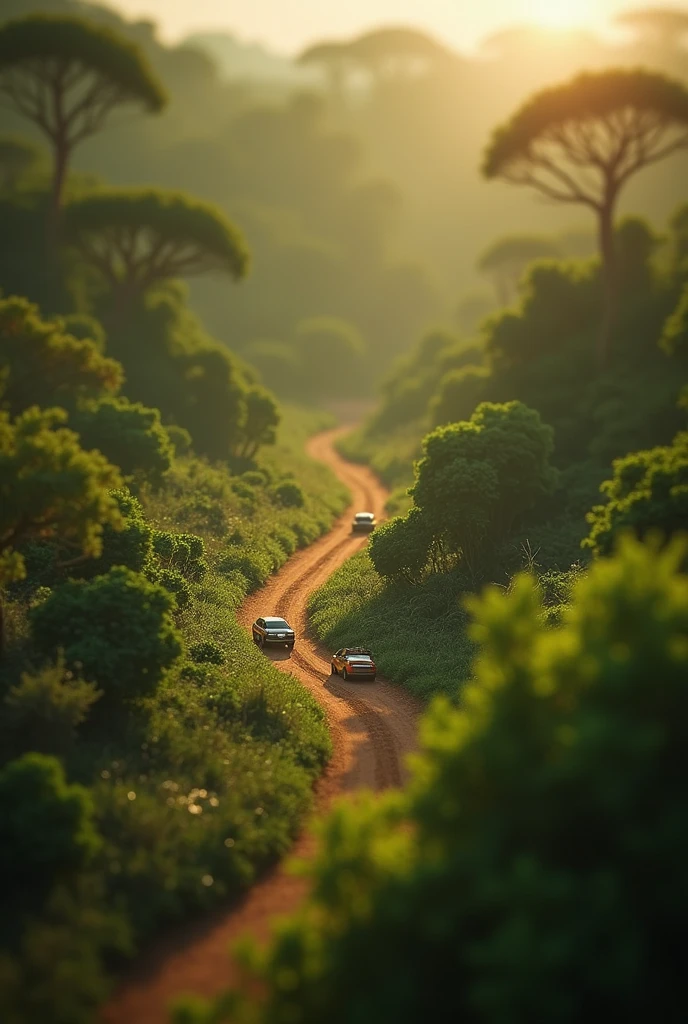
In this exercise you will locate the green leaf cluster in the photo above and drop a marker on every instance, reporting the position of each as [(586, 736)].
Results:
[(535, 868), (648, 492)]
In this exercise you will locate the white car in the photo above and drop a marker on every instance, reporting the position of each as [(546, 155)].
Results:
[(363, 522)]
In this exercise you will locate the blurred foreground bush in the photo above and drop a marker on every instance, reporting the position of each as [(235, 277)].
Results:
[(535, 868)]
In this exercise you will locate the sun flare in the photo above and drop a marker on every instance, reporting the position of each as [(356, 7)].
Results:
[(560, 14)]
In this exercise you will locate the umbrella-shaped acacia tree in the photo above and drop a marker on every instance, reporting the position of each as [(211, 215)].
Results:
[(67, 75), (136, 238), (581, 142)]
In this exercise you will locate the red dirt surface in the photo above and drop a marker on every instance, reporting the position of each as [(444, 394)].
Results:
[(372, 725)]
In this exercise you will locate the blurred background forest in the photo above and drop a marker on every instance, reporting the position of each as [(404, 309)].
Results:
[(352, 172)]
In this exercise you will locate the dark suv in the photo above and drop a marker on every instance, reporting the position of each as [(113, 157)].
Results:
[(354, 663), (272, 630)]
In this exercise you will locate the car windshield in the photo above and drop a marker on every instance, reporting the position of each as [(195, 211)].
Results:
[(364, 517), (276, 624), (359, 657)]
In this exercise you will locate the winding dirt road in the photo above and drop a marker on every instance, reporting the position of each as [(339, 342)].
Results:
[(373, 727)]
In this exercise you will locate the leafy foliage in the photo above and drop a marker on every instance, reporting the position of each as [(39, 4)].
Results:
[(78, 619), (476, 478), (129, 435), (647, 493), (47, 825), (42, 712), (288, 494), (42, 364), (472, 894), (401, 547), (50, 486), (137, 238)]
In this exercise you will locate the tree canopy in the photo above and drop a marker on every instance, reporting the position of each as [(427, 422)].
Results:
[(535, 867), (582, 141), (43, 364), (67, 75), (49, 485), (135, 238)]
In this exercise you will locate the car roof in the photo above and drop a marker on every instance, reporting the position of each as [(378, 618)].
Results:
[(273, 618), (365, 515)]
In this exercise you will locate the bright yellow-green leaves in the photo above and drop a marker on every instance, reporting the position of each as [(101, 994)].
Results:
[(535, 868), (51, 488)]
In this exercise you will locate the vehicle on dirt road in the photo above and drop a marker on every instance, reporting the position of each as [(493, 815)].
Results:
[(363, 522), (271, 630), (353, 663)]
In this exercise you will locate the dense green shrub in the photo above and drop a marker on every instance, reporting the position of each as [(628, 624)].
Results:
[(184, 552), (118, 628), (401, 547), (130, 546), (50, 488), (207, 652), (254, 564), (648, 492), (174, 583), (46, 827), (42, 712), (40, 364), (288, 494), (476, 478), (129, 435), (535, 869)]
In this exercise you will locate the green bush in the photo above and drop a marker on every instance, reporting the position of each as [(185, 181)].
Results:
[(184, 552), (648, 491), (130, 546), (118, 628), (174, 583), (129, 435), (253, 563), (536, 867), (206, 652), (42, 712), (288, 494), (401, 547), (46, 827), (476, 478)]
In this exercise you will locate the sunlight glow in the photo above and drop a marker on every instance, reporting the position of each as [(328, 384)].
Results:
[(561, 14)]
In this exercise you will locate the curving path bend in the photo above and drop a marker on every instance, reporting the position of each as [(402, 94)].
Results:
[(372, 725)]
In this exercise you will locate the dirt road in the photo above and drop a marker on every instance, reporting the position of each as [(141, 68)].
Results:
[(373, 726)]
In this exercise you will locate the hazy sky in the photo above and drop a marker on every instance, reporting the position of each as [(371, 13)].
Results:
[(287, 24)]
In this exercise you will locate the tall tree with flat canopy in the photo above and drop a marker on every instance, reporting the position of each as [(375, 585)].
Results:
[(67, 75), (582, 141), (137, 238)]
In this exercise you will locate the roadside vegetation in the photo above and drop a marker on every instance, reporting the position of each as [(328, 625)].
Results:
[(152, 763), (532, 577)]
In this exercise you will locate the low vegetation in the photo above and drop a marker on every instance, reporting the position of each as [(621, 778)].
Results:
[(502, 883)]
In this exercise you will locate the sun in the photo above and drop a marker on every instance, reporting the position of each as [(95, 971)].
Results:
[(560, 14)]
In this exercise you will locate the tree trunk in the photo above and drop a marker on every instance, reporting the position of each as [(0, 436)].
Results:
[(59, 176), (610, 284)]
